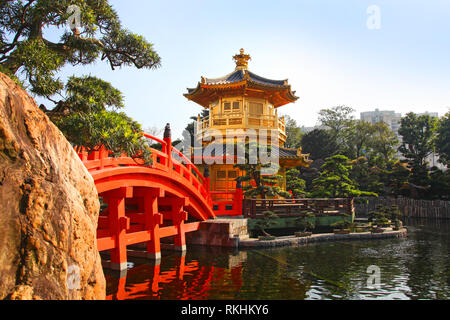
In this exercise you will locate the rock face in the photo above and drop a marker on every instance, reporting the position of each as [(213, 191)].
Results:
[(49, 208)]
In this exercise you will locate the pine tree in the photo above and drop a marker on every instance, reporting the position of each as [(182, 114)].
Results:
[(334, 181), (85, 107), (256, 183)]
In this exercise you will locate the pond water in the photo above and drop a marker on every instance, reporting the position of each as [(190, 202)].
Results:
[(416, 267)]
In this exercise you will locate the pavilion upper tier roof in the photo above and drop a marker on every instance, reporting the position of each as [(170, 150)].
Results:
[(241, 82)]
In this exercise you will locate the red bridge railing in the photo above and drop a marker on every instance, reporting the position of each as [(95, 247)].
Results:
[(162, 160), (228, 203), (147, 202)]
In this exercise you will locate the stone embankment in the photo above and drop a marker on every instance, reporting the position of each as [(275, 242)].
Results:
[(49, 208), (233, 233), (292, 240)]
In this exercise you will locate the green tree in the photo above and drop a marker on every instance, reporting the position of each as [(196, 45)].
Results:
[(356, 138), (366, 176), (295, 183), (443, 140), (439, 184), (334, 181), (336, 119), (29, 56), (383, 142), (269, 219), (293, 134), (396, 177), (418, 137), (320, 144), (189, 131), (257, 182), (305, 222)]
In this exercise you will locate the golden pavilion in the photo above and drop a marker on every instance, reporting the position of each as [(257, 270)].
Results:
[(247, 103)]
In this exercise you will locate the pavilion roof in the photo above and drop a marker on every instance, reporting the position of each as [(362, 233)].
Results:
[(241, 81)]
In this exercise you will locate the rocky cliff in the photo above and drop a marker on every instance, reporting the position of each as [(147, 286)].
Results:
[(48, 208)]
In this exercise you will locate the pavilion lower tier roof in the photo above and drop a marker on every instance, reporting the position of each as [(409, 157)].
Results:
[(288, 157)]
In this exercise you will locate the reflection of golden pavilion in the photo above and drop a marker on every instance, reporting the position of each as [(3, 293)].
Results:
[(247, 103)]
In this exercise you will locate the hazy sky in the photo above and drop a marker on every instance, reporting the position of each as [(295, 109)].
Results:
[(325, 48)]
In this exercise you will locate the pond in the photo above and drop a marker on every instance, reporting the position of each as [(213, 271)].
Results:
[(416, 267)]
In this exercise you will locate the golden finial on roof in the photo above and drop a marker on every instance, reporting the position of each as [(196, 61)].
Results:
[(241, 60)]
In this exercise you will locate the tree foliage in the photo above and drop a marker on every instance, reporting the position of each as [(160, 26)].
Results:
[(86, 111), (26, 49), (256, 181), (418, 138), (293, 134), (374, 153), (334, 181), (115, 131), (320, 144), (443, 140), (269, 219), (336, 119), (295, 183)]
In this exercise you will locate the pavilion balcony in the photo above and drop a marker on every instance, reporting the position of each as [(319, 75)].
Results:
[(242, 120)]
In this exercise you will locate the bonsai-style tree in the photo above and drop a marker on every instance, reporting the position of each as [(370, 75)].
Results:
[(296, 184), (85, 107), (304, 222), (341, 224), (393, 213), (334, 180), (257, 183), (379, 217), (268, 220), (385, 216)]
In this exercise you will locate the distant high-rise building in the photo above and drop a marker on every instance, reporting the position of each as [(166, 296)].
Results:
[(431, 114), (391, 118)]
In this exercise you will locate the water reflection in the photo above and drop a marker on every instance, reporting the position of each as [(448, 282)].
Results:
[(417, 267), (176, 277)]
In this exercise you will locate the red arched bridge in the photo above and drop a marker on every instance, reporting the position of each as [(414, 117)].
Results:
[(145, 203)]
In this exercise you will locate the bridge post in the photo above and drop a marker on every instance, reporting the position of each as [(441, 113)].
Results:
[(168, 148), (152, 222), (178, 217), (181, 266), (118, 226)]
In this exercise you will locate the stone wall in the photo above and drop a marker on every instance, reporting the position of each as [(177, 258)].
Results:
[(219, 232)]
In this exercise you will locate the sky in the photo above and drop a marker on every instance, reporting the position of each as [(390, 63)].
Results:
[(390, 55)]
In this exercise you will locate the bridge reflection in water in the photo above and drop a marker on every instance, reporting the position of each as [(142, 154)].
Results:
[(176, 278)]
